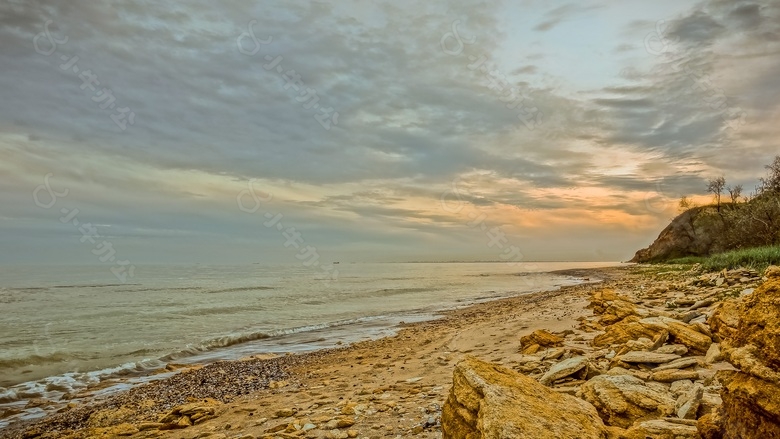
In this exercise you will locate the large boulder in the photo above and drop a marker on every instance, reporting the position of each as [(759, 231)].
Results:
[(622, 400), (488, 401), (751, 407)]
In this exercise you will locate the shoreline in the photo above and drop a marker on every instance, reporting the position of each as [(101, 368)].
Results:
[(264, 374)]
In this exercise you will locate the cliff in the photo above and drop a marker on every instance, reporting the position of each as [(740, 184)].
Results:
[(682, 237)]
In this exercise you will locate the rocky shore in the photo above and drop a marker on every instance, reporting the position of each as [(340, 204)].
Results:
[(646, 353)]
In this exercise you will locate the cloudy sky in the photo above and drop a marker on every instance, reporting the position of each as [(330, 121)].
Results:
[(379, 131)]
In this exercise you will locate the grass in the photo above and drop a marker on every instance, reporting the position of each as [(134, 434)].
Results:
[(757, 258)]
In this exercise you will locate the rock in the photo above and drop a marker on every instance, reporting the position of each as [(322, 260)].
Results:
[(710, 403), (680, 387), (616, 371), (150, 426), (724, 320), (553, 354), (643, 344), (284, 413), (713, 354), (484, 402), (688, 404), (542, 338), (630, 328), (672, 375), (773, 271), (710, 426), (685, 335), (751, 407), (676, 349), (623, 399), (617, 311), (702, 304), (564, 369), (647, 357), (701, 327), (660, 340), (682, 363), (601, 299), (660, 429), (531, 349)]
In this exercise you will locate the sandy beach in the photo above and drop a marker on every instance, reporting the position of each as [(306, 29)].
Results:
[(397, 385)]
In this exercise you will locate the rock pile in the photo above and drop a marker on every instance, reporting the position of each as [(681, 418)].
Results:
[(651, 363)]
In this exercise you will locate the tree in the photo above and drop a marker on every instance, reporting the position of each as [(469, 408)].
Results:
[(685, 203), (716, 186), (772, 181), (735, 193)]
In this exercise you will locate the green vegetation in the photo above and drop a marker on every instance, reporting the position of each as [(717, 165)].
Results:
[(757, 258)]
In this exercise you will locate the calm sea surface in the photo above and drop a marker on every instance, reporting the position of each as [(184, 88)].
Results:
[(65, 328)]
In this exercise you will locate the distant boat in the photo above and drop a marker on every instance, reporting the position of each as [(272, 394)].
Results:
[(336, 263)]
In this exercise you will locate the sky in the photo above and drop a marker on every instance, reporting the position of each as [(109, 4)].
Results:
[(300, 132)]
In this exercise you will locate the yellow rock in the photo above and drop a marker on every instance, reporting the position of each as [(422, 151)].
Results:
[(542, 338), (488, 401), (751, 407), (630, 328), (623, 399), (685, 335)]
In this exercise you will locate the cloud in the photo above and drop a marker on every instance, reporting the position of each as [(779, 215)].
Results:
[(554, 17), (414, 121)]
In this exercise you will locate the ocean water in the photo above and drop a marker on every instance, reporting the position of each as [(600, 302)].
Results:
[(65, 328)]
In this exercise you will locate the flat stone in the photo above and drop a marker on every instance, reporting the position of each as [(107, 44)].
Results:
[(564, 369), (682, 363), (660, 429), (676, 349), (647, 357), (670, 376)]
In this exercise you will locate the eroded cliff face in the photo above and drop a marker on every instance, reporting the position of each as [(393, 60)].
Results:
[(680, 238), (751, 405)]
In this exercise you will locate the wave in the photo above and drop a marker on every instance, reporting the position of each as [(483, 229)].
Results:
[(216, 343), (36, 360), (145, 290), (95, 285), (239, 289)]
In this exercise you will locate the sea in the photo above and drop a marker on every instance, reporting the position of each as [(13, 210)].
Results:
[(67, 329)]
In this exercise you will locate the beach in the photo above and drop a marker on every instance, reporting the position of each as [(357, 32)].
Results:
[(395, 386), (639, 347)]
